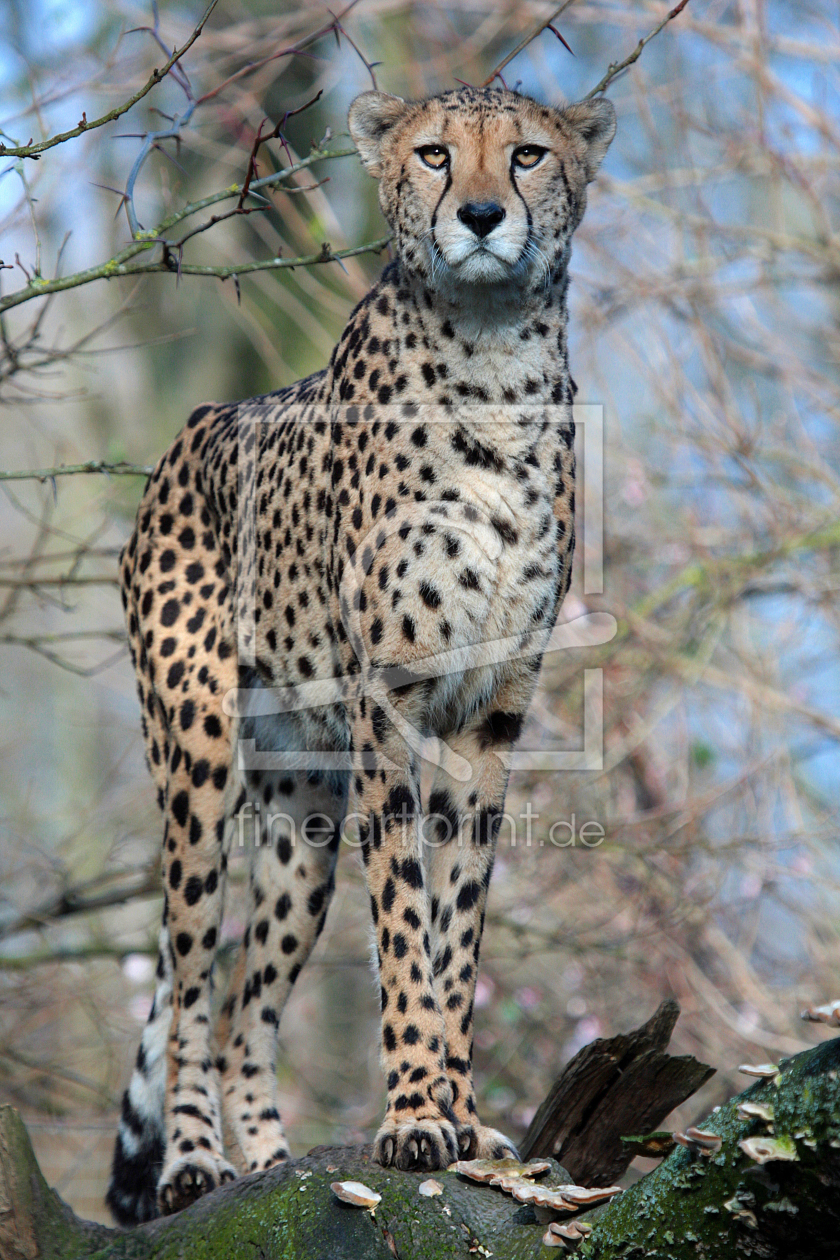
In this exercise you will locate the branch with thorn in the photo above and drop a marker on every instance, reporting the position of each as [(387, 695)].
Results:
[(615, 68), (171, 259), (36, 148)]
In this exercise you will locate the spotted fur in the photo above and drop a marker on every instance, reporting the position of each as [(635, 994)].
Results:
[(358, 571)]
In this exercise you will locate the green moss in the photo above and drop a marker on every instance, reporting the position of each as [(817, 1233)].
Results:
[(694, 1206)]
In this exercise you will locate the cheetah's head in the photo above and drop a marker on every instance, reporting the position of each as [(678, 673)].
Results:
[(481, 187)]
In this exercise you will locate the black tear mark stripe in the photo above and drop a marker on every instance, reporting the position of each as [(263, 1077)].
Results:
[(528, 214), (446, 188)]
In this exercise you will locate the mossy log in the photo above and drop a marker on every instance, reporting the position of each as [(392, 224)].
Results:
[(719, 1206), (729, 1205)]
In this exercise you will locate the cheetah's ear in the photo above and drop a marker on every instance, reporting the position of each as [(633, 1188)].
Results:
[(372, 115), (594, 122)]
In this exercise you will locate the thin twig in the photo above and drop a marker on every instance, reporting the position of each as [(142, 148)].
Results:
[(116, 266), (63, 579), (121, 469), (529, 39), (100, 893), (285, 52), (35, 150), (113, 268), (616, 67)]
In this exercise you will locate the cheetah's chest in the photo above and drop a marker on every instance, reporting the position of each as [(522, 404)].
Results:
[(462, 592)]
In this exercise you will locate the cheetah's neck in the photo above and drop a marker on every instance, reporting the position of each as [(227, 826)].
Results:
[(404, 344)]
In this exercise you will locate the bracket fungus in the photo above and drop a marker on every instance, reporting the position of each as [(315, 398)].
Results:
[(764, 1071), (700, 1141), (764, 1150), (568, 1235), (489, 1170), (756, 1111), (828, 1014), (517, 1180), (356, 1193)]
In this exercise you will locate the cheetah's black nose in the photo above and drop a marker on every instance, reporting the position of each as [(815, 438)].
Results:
[(481, 217)]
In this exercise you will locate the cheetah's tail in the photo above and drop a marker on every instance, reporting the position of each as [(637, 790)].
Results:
[(139, 1148)]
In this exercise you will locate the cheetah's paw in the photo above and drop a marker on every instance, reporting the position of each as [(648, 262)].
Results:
[(190, 1177), (416, 1145), (477, 1141)]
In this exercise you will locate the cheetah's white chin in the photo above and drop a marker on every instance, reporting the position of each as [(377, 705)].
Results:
[(482, 267)]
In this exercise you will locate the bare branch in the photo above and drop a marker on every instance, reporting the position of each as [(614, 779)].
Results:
[(112, 268), (616, 67), (529, 39), (120, 469), (35, 150), (101, 893)]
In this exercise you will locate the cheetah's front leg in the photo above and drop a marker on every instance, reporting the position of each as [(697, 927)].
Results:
[(462, 827), (418, 1131)]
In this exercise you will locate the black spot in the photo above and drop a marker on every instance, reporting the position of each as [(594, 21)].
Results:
[(468, 895), (487, 824), (316, 900), (400, 803), (412, 872), (193, 889), (505, 531), (284, 850), (169, 613), (430, 595), (500, 728), (180, 808), (176, 673)]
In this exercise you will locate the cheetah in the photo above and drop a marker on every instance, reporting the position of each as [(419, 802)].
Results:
[(316, 591)]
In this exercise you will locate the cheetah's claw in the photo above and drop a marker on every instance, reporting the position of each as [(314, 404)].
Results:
[(477, 1141), (416, 1145), (189, 1178)]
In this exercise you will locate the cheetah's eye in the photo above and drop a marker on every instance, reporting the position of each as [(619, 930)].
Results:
[(528, 155), (433, 155)]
